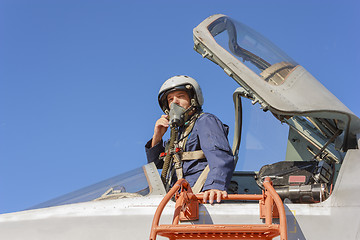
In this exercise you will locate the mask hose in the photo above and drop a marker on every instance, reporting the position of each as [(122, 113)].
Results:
[(168, 158)]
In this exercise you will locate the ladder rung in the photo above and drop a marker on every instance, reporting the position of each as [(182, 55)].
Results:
[(205, 231)]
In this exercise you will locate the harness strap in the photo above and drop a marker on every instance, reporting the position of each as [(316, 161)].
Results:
[(186, 156), (188, 129), (178, 166), (201, 180), (178, 157), (181, 144)]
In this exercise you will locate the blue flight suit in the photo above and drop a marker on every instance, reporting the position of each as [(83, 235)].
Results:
[(210, 135)]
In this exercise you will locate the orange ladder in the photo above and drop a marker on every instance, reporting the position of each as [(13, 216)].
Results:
[(187, 209)]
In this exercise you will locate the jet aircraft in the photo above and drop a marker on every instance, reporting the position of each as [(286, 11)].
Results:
[(315, 182)]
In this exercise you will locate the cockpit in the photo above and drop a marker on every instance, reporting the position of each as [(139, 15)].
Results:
[(299, 141), (320, 128)]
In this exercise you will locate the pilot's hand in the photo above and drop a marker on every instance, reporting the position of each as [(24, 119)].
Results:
[(160, 129), (212, 193)]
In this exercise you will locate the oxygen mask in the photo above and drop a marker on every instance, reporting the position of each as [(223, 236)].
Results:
[(176, 115)]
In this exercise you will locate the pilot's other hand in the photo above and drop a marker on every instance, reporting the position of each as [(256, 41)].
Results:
[(160, 129), (211, 194)]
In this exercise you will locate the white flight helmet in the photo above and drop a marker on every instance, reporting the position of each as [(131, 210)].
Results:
[(180, 82)]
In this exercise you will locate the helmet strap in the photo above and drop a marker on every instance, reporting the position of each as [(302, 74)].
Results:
[(193, 110)]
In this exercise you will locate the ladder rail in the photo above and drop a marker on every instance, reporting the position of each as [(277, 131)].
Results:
[(163, 203), (280, 206)]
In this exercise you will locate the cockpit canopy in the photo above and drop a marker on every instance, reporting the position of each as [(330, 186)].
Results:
[(271, 78), (143, 181), (251, 48)]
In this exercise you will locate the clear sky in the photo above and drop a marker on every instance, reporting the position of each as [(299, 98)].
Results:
[(79, 79)]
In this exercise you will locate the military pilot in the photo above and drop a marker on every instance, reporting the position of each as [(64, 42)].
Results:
[(201, 135)]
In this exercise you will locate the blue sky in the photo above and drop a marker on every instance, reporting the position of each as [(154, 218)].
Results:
[(79, 79)]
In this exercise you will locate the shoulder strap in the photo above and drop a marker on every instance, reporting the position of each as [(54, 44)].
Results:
[(201, 180), (184, 135), (188, 129), (199, 154)]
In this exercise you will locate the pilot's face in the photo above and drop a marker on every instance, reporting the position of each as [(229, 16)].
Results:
[(179, 97)]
